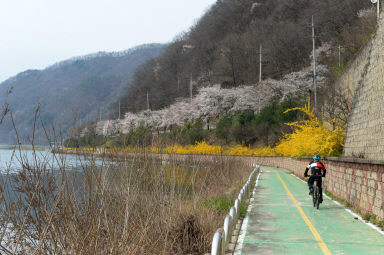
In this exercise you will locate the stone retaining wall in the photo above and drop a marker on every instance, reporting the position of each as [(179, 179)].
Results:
[(360, 182), (363, 86)]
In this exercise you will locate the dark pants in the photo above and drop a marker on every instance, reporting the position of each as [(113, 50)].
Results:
[(312, 179)]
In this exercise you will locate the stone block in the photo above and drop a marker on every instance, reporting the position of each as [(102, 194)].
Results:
[(375, 210), (378, 202), (364, 202), (379, 194), (372, 183), (364, 189), (371, 191), (381, 213), (359, 173)]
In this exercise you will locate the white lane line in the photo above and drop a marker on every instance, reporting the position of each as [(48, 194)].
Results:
[(349, 211), (298, 178), (243, 229), (357, 216)]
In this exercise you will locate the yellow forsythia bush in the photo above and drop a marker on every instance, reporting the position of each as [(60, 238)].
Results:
[(176, 149), (311, 136), (245, 151), (203, 148), (199, 148), (239, 151), (154, 150), (91, 149), (266, 151)]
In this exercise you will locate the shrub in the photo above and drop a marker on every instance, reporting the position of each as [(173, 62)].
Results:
[(139, 137), (223, 128), (311, 136), (194, 132), (366, 216)]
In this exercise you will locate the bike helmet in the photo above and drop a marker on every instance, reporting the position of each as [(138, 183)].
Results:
[(316, 157)]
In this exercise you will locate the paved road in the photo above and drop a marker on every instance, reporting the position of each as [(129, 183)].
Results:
[(282, 220)]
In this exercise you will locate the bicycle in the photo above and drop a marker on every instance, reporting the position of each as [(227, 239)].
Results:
[(316, 195)]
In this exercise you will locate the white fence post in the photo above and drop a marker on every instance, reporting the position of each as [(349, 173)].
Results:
[(218, 243), (228, 222)]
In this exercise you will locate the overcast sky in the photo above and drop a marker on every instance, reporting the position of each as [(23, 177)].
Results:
[(37, 33)]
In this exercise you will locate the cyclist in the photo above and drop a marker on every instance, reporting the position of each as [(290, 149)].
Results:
[(317, 171)]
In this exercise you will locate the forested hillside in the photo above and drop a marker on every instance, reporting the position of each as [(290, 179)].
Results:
[(80, 89), (223, 47)]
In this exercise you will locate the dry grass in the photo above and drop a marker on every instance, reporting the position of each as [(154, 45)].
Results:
[(140, 205)]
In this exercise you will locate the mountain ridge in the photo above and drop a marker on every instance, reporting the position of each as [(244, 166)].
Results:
[(76, 89)]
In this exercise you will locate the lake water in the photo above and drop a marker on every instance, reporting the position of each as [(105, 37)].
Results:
[(12, 160), (11, 163), (14, 200)]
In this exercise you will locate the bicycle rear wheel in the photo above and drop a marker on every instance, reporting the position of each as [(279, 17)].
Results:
[(316, 196)]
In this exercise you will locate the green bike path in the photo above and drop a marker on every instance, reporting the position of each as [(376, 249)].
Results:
[(282, 220)]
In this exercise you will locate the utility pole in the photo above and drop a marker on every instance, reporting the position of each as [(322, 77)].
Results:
[(147, 101), (119, 110), (314, 63), (261, 58), (98, 114), (190, 88)]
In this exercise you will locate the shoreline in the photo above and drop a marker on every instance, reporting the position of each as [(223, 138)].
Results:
[(25, 147)]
